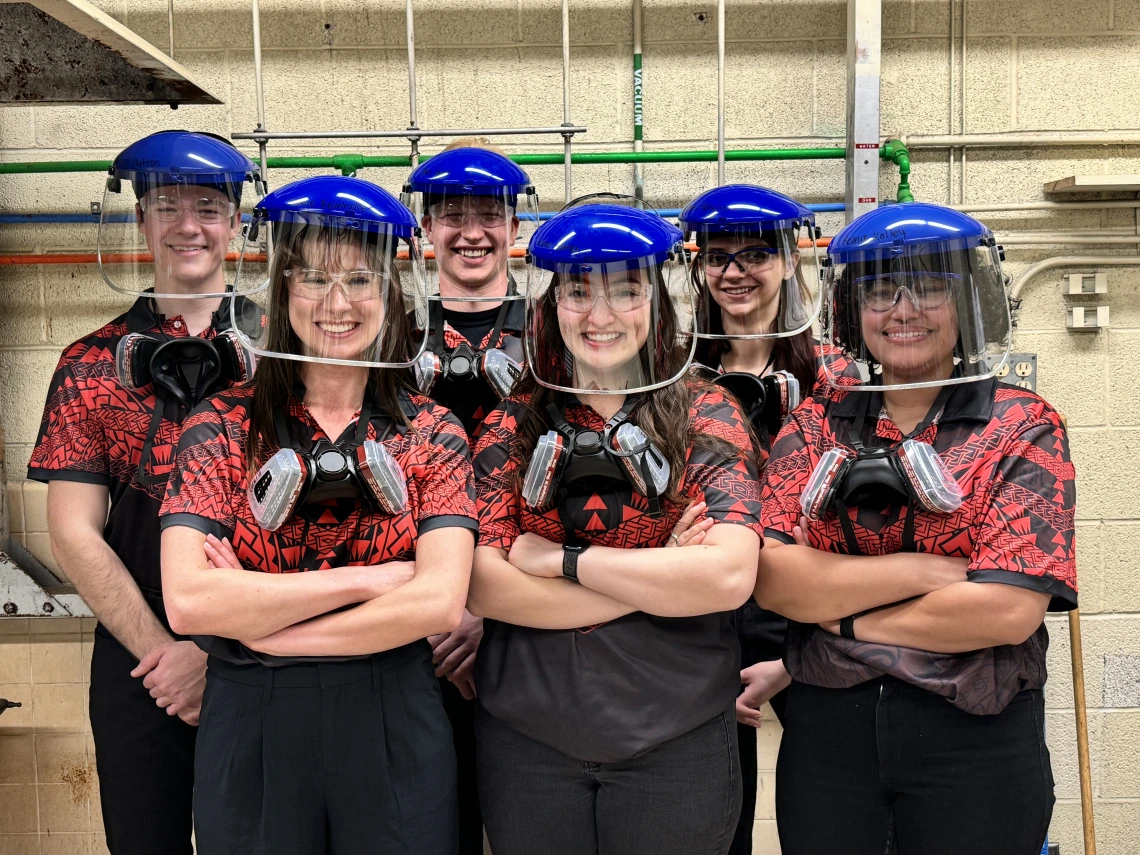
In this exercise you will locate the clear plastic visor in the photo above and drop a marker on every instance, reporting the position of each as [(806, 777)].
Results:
[(613, 328), (757, 282), (181, 239), (920, 319), (469, 240), (333, 294)]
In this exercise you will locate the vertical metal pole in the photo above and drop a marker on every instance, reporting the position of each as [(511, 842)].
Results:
[(720, 92), (568, 179), (413, 120), (259, 92), (864, 46), (638, 116), (170, 25)]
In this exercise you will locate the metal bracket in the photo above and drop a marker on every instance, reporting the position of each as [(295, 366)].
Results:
[(28, 589)]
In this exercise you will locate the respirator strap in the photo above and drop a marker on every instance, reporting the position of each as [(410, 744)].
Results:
[(847, 527), (160, 406)]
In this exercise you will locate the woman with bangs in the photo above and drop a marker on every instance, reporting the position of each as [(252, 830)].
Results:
[(609, 666), (754, 320), (315, 532)]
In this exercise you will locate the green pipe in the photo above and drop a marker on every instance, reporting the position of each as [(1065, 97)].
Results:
[(55, 166), (897, 153)]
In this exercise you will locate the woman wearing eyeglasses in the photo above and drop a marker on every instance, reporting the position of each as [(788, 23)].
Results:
[(609, 665), (917, 530), (754, 317), (316, 531)]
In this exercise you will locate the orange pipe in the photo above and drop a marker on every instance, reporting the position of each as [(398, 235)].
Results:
[(146, 258)]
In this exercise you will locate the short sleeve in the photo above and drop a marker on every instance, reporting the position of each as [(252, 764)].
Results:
[(72, 444), (494, 465), (440, 467), (787, 473), (1025, 530), (726, 481), (207, 473)]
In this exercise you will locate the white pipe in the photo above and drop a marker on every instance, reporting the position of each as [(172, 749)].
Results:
[(1069, 261), (413, 118), (1092, 205), (720, 93), (170, 25), (1032, 138), (417, 133), (259, 93), (567, 181), (1051, 238), (962, 106)]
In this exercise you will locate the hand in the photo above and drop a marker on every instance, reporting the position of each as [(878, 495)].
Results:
[(453, 653), (761, 682), (689, 532), (175, 674), (220, 553), (799, 532), (536, 556)]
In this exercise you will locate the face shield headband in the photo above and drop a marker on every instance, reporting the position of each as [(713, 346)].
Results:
[(910, 472), (364, 470), (621, 453)]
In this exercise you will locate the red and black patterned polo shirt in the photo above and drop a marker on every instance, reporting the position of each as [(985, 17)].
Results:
[(93, 431), (1007, 449), (610, 692)]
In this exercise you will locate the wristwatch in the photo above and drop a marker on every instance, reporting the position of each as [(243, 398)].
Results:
[(570, 553)]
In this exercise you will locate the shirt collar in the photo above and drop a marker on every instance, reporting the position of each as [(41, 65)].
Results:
[(973, 401), (144, 316)]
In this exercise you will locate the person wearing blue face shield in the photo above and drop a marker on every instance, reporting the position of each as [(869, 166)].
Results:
[(115, 410), (917, 527), (755, 310), (317, 529)]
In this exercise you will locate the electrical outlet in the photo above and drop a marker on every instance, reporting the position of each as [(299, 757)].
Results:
[(1086, 318), (1019, 370), (1080, 284)]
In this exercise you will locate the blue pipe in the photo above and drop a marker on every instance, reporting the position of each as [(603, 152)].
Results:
[(19, 219)]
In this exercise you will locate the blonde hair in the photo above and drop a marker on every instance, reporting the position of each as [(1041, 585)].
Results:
[(475, 142)]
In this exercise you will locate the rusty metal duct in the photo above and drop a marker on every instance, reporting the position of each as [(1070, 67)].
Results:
[(69, 52)]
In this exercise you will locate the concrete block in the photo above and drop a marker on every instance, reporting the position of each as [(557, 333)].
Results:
[(17, 759), (17, 127), (61, 811), (56, 658), (198, 24), (16, 457), (35, 506), (988, 104), (16, 661), (60, 706), (668, 21), (1105, 490), (829, 108), (475, 22), (914, 96), (1065, 827), (77, 302), (1126, 14), (24, 377), (784, 19), (1122, 680), (1061, 81), (39, 544), (1123, 350), (18, 814), (1070, 372), (898, 17), (932, 16), (1104, 637), (672, 69), (1061, 737), (591, 22), (1116, 824), (1026, 16), (22, 321), (1090, 566), (768, 90), (1058, 662), (1121, 755), (368, 22), (59, 756), (16, 507), (116, 127), (1001, 175)]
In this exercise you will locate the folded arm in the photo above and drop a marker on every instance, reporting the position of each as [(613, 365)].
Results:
[(502, 591)]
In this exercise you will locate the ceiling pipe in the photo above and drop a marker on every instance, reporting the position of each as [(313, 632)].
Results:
[(1030, 138), (1070, 261)]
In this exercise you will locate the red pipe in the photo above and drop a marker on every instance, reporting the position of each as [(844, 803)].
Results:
[(146, 258)]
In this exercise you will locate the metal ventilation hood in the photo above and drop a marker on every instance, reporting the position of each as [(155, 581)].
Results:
[(69, 52)]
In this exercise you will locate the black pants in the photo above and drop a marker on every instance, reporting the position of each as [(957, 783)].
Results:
[(461, 714), (144, 758), (746, 736), (681, 798), (348, 758), (886, 760)]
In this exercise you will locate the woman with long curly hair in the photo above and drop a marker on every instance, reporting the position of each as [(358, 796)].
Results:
[(609, 668)]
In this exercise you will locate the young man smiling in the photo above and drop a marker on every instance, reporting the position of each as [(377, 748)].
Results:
[(469, 196), (108, 434)]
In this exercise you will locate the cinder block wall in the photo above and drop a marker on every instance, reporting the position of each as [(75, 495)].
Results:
[(340, 64)]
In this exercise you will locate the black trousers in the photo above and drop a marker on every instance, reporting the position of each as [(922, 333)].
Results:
[(887, 763), (347, 758), (681, 798), (144, 758), (746, 737), (461, 714)]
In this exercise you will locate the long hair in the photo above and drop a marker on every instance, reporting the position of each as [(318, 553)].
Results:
[(277, 379), (795, 353), (662, 413)]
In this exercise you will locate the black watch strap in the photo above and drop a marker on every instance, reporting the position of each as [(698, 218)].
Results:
[(847, 627), (570, 553)]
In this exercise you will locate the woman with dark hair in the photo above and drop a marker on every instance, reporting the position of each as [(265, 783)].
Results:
[(754, 317), (919, 527), (322, 729), (609, 666)]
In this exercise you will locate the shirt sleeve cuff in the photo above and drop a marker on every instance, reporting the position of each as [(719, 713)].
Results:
[(447, 521), (46, 476), (1063, 599), (194, 521), (781, 536)]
